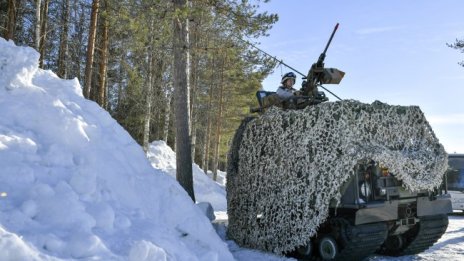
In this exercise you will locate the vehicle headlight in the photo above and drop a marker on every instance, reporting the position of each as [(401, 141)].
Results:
[(365, 189)]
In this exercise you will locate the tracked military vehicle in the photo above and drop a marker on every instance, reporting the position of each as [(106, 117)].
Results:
[(336, 180)]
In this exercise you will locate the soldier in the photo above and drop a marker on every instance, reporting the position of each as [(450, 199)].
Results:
[(286, 90)]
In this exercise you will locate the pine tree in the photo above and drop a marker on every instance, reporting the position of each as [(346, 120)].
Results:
[(11, 20), (38, 12), (127, 66), (43, 32), (91, 48), (63, 49), (181, 86), (459, 45), (102, 87)]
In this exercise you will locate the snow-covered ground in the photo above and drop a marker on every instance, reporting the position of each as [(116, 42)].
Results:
[(162, 157), (75, 186)]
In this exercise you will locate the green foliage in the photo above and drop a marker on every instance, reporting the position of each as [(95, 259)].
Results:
[(459, 45), (225, 72)]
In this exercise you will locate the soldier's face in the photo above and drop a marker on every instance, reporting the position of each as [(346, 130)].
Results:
[(289, 83)]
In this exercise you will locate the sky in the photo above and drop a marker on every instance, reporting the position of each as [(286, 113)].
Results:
[(393, 51)]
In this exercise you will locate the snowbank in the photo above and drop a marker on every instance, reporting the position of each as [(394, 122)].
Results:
[(75, 185), (162, 157)]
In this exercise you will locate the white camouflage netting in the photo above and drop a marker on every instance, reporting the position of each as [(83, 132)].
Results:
[(286, 166)]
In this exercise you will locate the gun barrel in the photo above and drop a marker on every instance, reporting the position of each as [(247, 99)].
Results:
[(330, 39)]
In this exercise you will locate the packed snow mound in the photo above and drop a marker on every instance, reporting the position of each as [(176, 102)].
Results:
[(75, 185), (162, 157), (287, 166)]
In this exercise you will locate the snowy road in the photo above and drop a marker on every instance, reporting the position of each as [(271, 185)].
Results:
[(450, 247)]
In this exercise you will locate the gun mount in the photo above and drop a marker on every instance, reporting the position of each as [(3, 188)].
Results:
[(319, 75), (309, 93)]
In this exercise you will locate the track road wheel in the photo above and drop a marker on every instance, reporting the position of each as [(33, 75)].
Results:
[(305, 252), (328, 248), (418, 239), (394, 242)]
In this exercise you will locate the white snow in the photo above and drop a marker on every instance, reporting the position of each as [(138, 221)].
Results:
[(74, 185), (163, 157)]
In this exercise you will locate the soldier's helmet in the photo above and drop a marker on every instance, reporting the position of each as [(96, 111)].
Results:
[(289, 75)]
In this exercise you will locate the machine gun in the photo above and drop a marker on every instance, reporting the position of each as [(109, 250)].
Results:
[(309, 93), (319, 75)]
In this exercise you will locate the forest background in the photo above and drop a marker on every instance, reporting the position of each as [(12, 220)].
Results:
[(121, 51)]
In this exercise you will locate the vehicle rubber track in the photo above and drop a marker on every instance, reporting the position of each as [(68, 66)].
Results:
[(354, 242), (358, 242), (423, 236)]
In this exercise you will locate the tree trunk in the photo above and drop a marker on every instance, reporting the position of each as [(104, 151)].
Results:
[(104, 60), (11, 23), (148, 104), (195, 37), (157, 83), (63, 51), (195, 78), (149, 94), (43, 34), (194, 136), (207, 145), (167, 118), (91, 48), (209, 122), (37, 23), (159, 100), (79, 41), (218, 125), (181, 87), (120, 78)]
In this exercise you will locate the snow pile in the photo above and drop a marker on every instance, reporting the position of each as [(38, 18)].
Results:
[(221, 177), (162, 157), (285, 167), (75, 185)]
